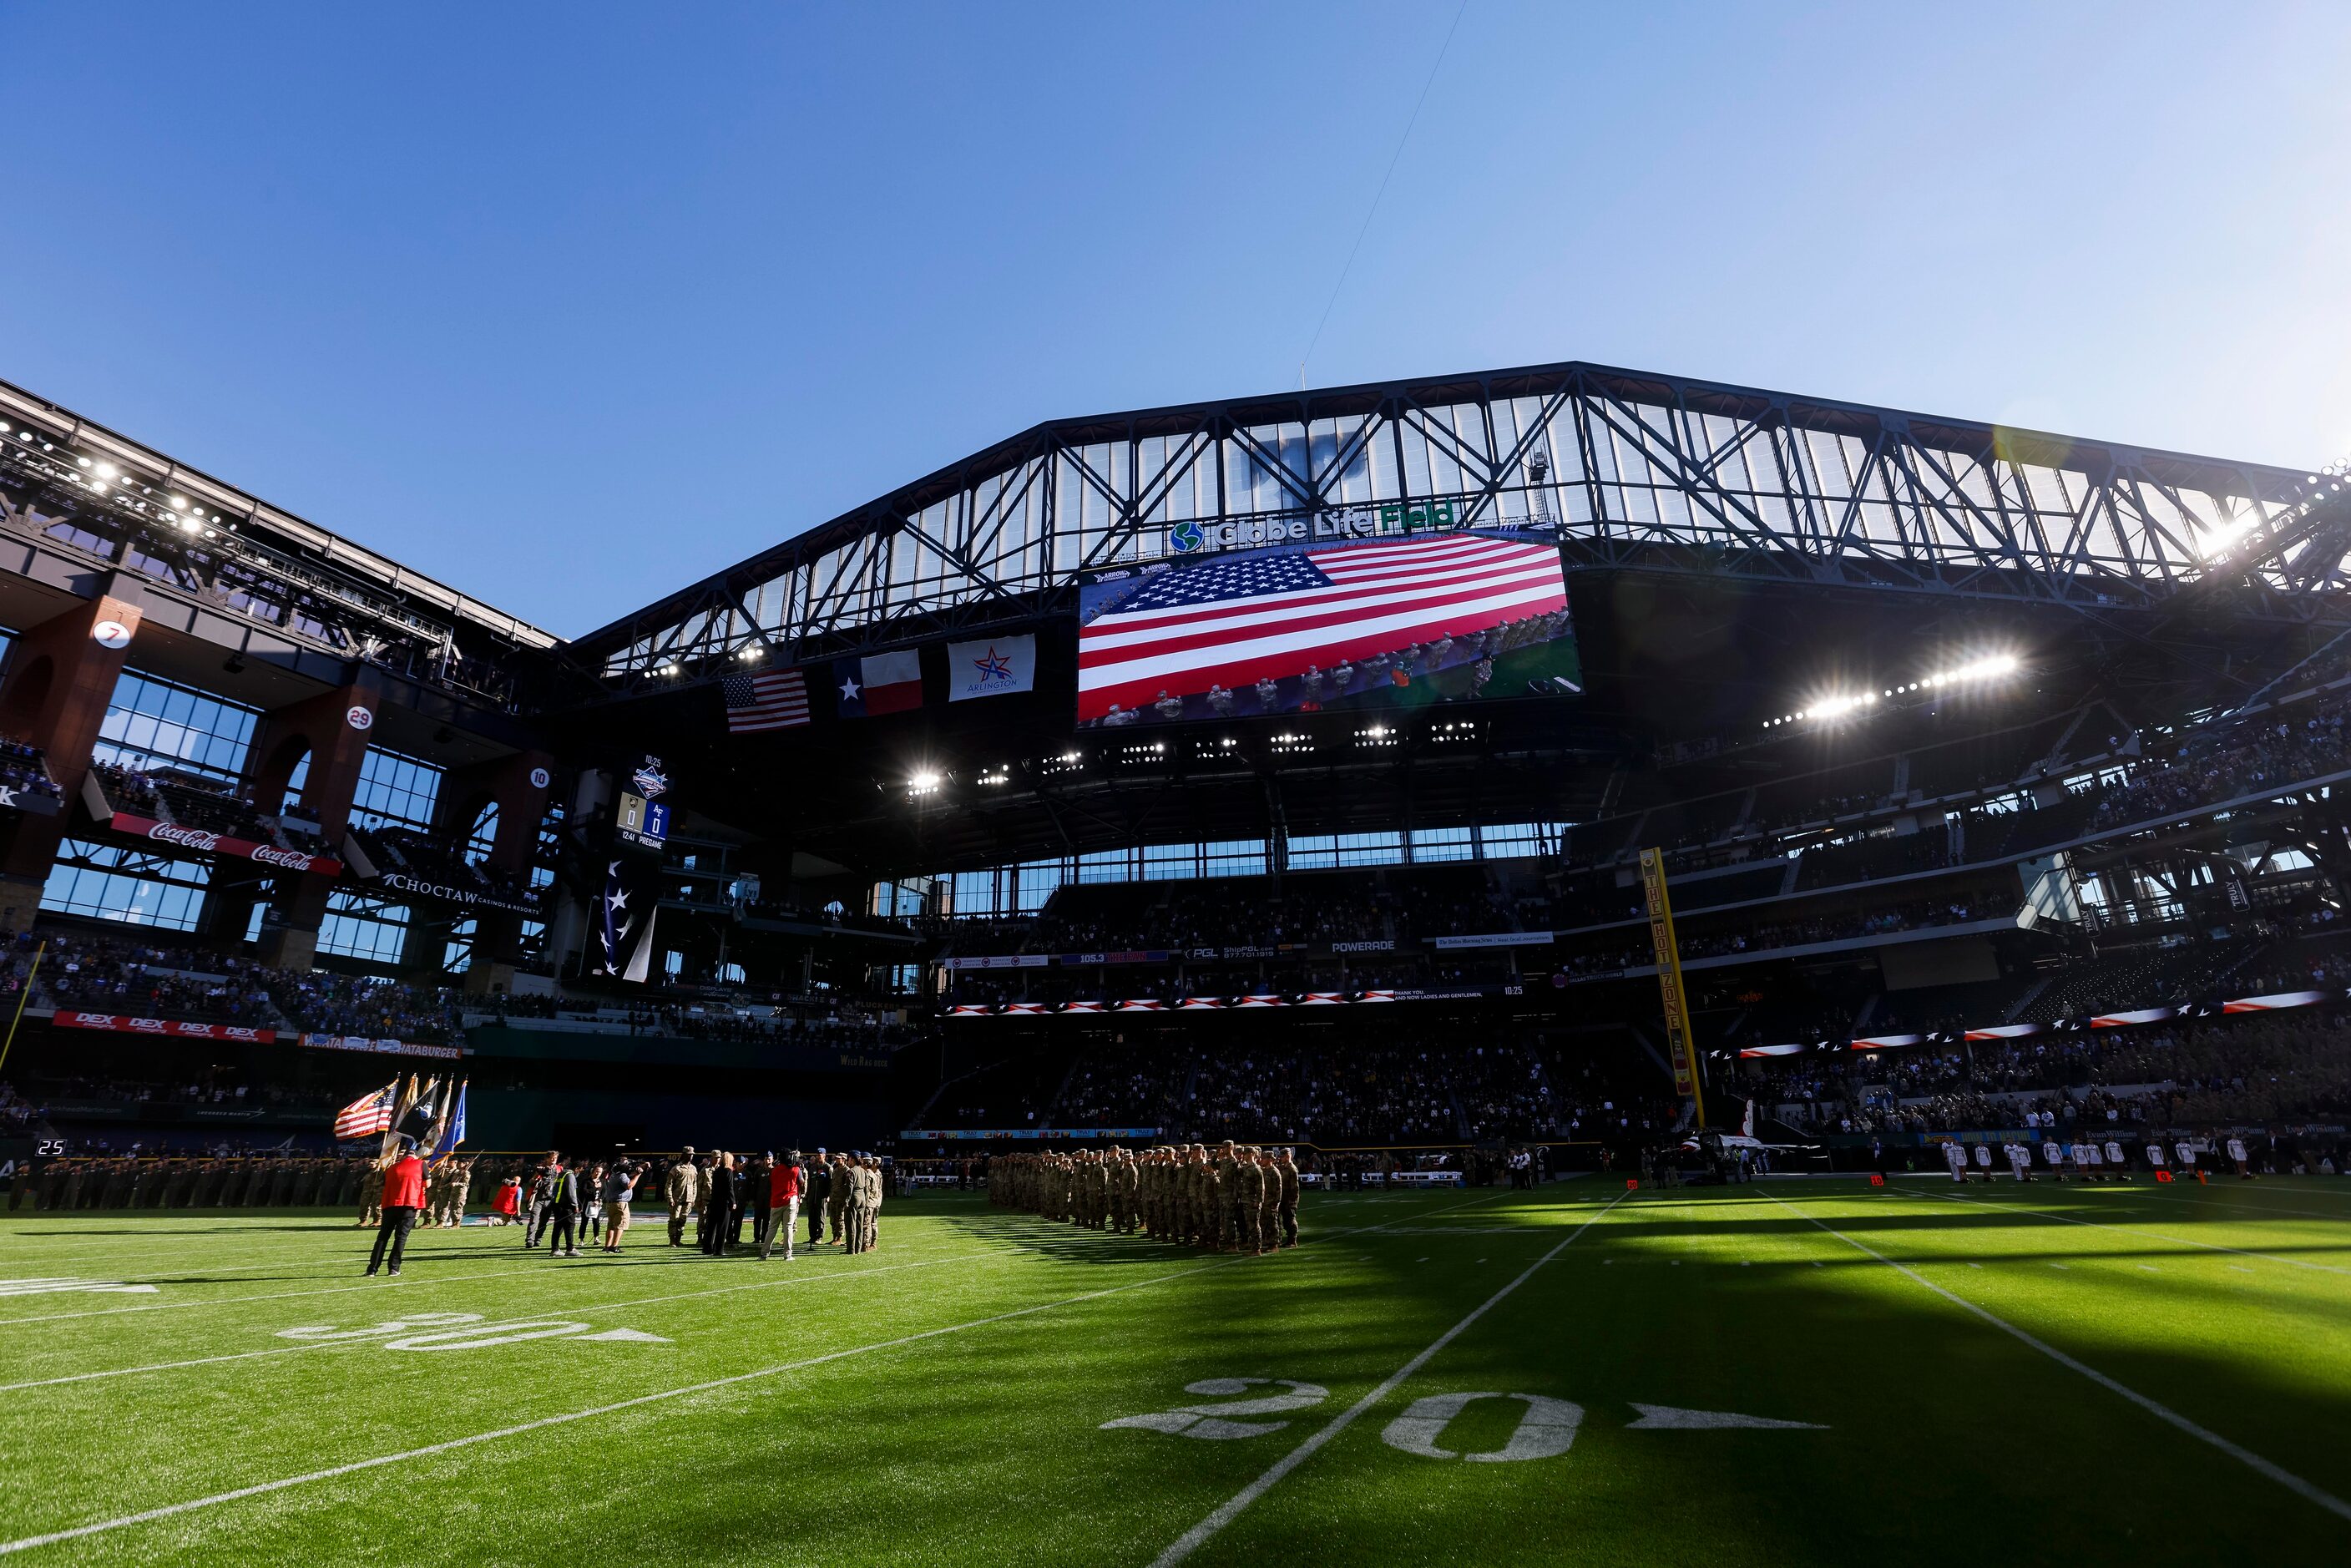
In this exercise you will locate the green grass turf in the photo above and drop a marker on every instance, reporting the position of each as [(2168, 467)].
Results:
[(943, 1400)]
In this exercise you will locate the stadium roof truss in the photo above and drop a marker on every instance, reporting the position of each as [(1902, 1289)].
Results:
[(1636, 470), (67, 482)]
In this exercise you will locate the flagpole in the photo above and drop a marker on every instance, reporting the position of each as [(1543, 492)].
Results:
[(22, 997)]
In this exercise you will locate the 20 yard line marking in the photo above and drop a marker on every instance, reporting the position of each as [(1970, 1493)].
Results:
[(264, 1488), (2161, 1411), (1192, 1539)]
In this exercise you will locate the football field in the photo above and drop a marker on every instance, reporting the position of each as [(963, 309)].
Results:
[(1800, 1371)]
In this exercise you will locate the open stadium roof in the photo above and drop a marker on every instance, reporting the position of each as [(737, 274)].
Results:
[(1636, 469)]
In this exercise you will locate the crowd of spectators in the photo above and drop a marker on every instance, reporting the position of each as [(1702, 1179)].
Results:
[(212, 806), (25, 768), (107, 975), (2280, 1067), (1448, 1084)]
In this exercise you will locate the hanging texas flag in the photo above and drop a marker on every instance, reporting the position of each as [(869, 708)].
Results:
[(878, 683), (992, 668)]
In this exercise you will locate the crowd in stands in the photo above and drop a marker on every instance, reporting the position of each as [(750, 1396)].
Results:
[(209, 805), (1447, 1084), (2280, 1067), (109, 975), (2229, 761), (25, 768)]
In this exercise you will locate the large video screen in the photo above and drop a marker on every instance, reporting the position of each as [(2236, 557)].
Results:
[(1454, 617)]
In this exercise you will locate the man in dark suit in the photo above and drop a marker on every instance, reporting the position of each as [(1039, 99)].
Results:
[(718, 1206), (816, 1186)]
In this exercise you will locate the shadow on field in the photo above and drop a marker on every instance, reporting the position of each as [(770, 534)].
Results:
[(1057, 1240)]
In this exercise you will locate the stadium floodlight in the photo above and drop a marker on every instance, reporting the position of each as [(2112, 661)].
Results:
[(107, 471), (923, 782), (180, 503), (1984, 669), (751, 654)]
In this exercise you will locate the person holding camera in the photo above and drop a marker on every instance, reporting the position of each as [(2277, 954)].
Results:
[(619, 1191)]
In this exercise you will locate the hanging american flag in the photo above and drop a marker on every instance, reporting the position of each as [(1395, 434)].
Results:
[(369, 1115), (772, 699), (1270, 615)]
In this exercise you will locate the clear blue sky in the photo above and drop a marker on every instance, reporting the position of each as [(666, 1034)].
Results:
[(571, 305)]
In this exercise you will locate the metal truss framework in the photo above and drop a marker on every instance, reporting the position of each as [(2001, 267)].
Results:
[(1633, 469), (70, 482)]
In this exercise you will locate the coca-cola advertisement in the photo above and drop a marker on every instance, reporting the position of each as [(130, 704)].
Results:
[(220, 844), (173, 1029)]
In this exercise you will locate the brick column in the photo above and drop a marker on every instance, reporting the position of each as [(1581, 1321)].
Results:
[(61, 677), (518, 785), (332, 730)]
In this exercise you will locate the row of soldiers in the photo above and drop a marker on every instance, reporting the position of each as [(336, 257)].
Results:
[(1231, 1198), (252, 1182)]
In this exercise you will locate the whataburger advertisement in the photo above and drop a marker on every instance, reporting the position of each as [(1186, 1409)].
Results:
[(1424, 618)]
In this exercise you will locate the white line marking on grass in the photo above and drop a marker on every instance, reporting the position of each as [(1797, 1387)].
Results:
[(2136, 1231), (411, 1285), (2164, 1413), (264, 1488), (2271, 1209), (1192, 1539), (809, 1279)]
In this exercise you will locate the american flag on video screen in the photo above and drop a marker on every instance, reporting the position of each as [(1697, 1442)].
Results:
[(773, 699), (368, 1116), (1231, 621)]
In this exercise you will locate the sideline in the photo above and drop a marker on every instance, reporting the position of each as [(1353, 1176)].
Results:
[(2164, 1413), (1199, 1534)]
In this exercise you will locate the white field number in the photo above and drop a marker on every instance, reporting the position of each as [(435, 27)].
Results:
[(1546, 1426), (460, 1331)]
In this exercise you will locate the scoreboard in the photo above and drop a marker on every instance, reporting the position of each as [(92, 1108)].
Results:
[(639, 816)]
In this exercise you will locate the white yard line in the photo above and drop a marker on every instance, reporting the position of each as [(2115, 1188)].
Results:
[(2172, 1192), (2137, 1230), (309, 1477), (810, 1278), (1199, 1534), (2161, 1411), (262, 1487), (410, 1286)]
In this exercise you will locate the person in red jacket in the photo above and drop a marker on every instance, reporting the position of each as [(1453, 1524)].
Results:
[(783, 1204), (403, 1196)]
